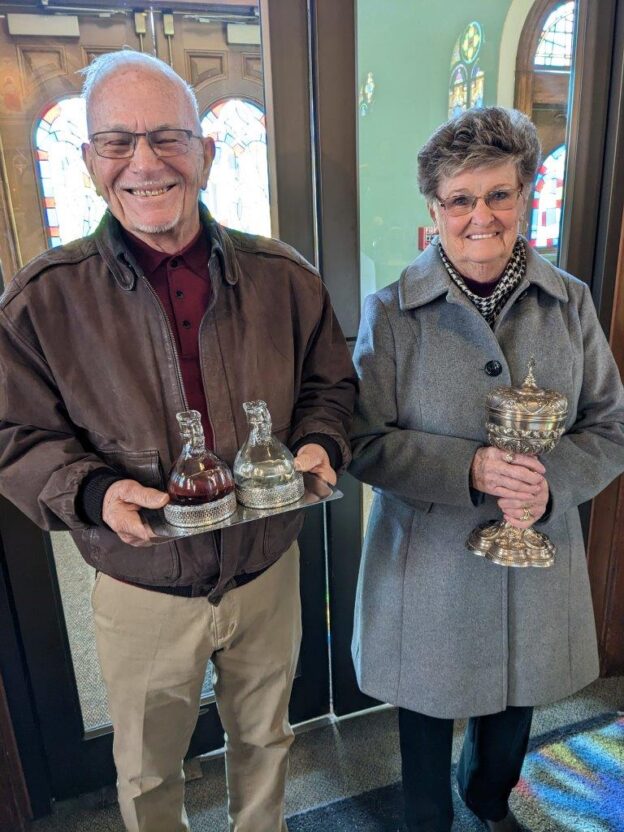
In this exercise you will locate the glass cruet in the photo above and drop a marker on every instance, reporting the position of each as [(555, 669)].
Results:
[(200, 486), (264, 468)]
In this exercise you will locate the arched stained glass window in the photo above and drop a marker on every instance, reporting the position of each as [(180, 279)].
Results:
[(238, 188), (467, 81), (71, 207), (554, 49), (547, 201)]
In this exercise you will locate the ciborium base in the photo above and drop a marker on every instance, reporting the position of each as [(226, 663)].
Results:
[(501, 543)]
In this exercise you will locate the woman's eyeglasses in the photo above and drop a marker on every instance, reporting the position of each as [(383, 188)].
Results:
[(502, 199)]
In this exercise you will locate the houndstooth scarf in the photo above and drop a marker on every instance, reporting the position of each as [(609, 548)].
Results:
[(491, 306)]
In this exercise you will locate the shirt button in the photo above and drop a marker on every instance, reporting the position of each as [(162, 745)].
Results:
[(179, 293), (186, 324), (174, 262), (493, 368)]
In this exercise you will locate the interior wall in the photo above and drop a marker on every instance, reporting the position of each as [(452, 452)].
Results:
[(408, 47)]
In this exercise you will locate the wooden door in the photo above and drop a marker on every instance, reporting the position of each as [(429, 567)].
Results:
[(606, 532)]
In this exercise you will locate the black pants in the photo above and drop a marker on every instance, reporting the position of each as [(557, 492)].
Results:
[(488, 769)]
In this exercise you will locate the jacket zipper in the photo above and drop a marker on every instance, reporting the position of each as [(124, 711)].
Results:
[(171, 341), (181, 382), (201, 371), (177, 360), (217, 535)]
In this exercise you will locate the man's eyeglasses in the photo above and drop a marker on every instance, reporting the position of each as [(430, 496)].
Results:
[(119, 144), (502, 199)]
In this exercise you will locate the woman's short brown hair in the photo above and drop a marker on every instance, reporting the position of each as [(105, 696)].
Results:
[(480, 137)]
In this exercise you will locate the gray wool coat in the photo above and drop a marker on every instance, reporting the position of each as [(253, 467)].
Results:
[(437, 629)]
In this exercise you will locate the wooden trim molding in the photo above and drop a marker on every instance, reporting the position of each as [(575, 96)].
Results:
[(14, 803), (606, 531)]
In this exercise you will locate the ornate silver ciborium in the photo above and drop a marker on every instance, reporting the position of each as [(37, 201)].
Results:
[(520, 420)]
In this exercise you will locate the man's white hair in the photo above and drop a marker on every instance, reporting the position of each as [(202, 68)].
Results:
[(111, 62)]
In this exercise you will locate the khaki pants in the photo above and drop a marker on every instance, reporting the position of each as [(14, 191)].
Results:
[(154, 649)]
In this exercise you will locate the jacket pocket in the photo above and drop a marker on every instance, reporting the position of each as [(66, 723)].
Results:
[(102, 549), (142, 466)]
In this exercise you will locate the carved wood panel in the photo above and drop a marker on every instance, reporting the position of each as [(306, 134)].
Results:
[(39, 64), (215, 68), (205, 66)]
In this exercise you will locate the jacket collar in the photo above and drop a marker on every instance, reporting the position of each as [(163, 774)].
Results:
[(125, 269), (426, 279)]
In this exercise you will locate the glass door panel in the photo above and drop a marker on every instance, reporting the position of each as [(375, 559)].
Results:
[(405, 93)]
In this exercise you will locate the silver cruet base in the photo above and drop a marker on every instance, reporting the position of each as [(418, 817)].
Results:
[(189, 517), (272, 496)]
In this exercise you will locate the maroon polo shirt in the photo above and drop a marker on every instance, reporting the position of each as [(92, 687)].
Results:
[(182, 283)]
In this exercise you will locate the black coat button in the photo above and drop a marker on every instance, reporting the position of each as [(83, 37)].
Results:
[(186, 324), (493, 368), (179, 293)]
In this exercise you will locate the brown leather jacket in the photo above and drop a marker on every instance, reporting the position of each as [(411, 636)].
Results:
[(89, 376)]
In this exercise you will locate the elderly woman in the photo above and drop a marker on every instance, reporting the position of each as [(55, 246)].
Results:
[(440, 632)]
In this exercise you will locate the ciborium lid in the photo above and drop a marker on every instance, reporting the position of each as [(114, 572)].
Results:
[(528, 401)]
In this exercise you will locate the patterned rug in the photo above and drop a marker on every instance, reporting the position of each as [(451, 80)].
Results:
[(572, 781)]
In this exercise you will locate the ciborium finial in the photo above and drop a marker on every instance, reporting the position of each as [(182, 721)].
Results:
[(529, 381)]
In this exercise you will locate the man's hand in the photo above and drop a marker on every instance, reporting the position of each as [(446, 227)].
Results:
[(516, 479), (120, 510), (314, 458)]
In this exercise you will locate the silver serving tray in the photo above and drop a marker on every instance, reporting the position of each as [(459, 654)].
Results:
[(317, 491)]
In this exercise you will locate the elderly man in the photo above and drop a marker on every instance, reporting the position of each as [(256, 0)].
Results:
[(101, 342)]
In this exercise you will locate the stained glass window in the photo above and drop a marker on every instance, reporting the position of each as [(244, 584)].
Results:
[(467, 81), (471, 42), (476, 86), (71, 207), (455, 57), (548, 200), (458, 93), (238, 188), (554, 48)]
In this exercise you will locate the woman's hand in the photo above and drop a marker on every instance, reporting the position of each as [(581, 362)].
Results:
[(523, 513), (515, 477)]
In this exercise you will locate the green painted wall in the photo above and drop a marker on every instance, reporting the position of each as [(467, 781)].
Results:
[(407, 45)]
